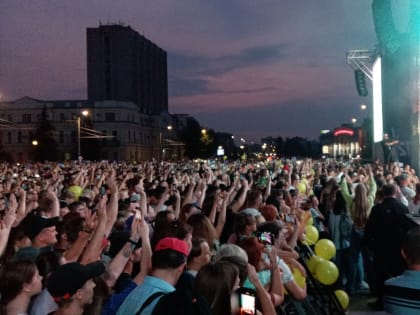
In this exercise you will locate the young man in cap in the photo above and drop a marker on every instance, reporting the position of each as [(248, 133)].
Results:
[(168, 263), (71, 286), (40, 230)]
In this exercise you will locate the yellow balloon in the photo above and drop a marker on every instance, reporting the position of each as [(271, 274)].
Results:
[(312, 234), (312, 262), (301, 187), (299, 278), (326, 272), (325, 248), (76, 190), (310, 221), (343, 298)]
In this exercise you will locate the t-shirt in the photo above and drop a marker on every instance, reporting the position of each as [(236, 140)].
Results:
[(265, 275), (140, 294), (43, 304), (402, 294)]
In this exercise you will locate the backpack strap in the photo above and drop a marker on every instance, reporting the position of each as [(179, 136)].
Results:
[(149, 300)]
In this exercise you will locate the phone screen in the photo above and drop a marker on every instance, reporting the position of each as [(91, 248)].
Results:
[(266, 238), (247, 302)]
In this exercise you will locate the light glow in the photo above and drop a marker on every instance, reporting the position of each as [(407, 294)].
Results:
[(340, 132), (377, 101)]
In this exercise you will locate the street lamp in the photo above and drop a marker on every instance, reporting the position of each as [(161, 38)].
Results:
[(353, 120), (83, 113), (203, 131), (162, 149)]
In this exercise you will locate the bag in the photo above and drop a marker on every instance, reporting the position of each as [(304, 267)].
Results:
[(345, 228)]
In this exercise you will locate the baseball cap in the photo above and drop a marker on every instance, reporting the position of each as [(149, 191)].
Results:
[(172, 243), (67, 279), (34, 224), (134, 198)]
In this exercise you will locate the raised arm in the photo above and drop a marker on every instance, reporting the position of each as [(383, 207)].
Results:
[(267, 306), (112, 207), (6, 225), (146, 253), (94, 247), (116, 266)]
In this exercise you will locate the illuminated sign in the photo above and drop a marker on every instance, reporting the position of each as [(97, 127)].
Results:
[(342, 131)]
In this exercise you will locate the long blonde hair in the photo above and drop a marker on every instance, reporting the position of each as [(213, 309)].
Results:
[(360, 206)]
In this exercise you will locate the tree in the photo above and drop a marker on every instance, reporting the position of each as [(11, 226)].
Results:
[(46, 150)]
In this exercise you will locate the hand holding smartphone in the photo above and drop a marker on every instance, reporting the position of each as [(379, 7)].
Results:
[(247, 301)]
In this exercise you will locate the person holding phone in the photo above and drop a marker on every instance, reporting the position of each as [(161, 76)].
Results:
[(218, 283)]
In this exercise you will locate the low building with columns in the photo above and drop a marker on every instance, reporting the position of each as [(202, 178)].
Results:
[(120, 129)]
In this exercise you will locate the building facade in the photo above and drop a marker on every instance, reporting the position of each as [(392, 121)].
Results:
[(344, 141), (123, 65), (120, 130)]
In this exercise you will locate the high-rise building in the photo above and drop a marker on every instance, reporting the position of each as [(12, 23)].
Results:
[(123, 65)]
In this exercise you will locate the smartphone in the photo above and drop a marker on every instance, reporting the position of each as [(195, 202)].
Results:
[(266, 238), (102, 191), (290, 218), (247, 301)]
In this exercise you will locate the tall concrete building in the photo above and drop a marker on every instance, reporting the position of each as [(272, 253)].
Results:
[(123, 65)]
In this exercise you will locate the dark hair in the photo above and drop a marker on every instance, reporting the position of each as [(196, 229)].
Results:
[(242, 220), (202, 227), (16, 234), (388, 190), (195, 249), (273, 227), (411, 245), (339, 203), (13, 276), (71, 225), (47, 263), (167, 259), (73, 206), (216, 281)]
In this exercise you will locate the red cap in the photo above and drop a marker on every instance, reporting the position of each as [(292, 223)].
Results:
[(173, 244)]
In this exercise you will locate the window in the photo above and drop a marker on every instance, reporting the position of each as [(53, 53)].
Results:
[(26, 118), (9, 138), (19, 137), (109, 116), (62, 116), (114, 135), (61, 137), (9, 118), (129, 136)]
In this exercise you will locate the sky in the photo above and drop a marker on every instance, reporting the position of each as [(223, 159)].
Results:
[(254, 68)]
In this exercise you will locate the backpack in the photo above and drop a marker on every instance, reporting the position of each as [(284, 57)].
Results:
[(345, 228)]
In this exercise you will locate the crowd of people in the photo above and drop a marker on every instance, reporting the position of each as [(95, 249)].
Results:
[(199, 237)]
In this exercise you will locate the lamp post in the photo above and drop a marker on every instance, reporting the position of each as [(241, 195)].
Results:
[(83, 113), (162, 149)]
